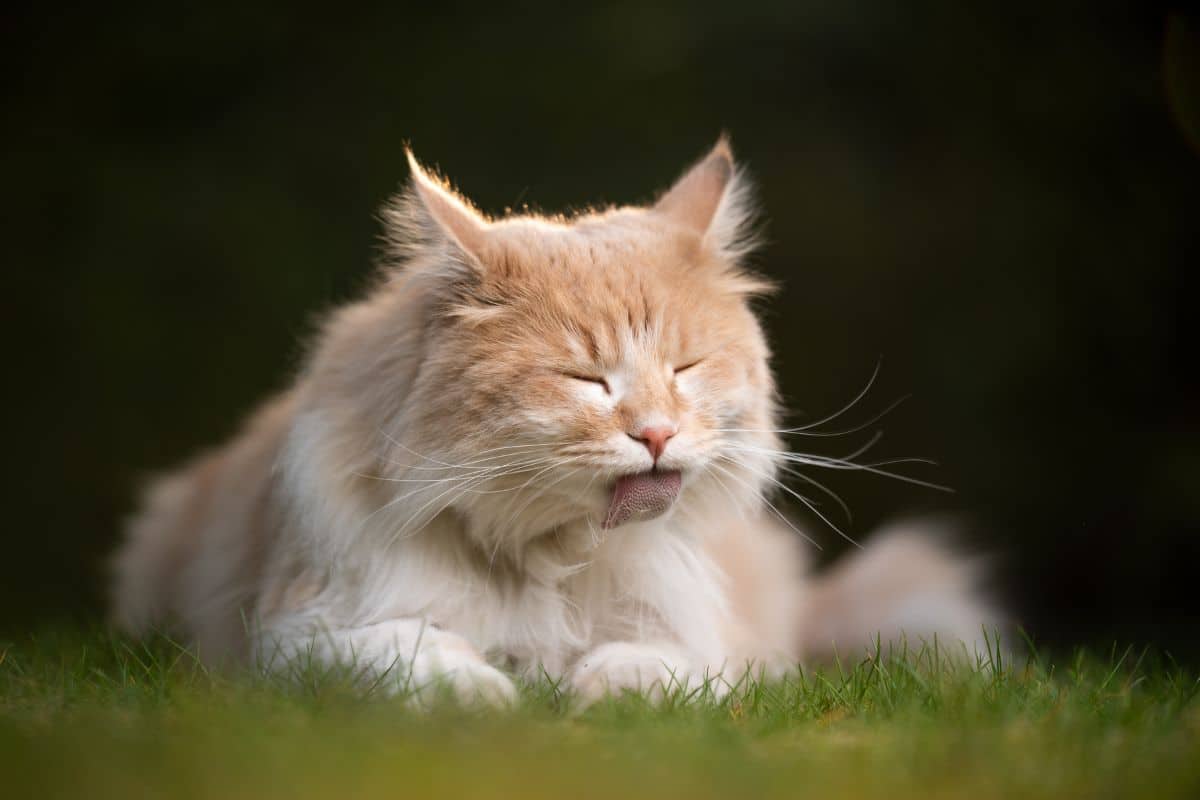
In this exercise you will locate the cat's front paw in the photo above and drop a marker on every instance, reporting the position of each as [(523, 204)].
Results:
[(448, 664), (656, 671)]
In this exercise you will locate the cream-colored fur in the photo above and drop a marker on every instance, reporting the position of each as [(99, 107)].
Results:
[(426, 500)]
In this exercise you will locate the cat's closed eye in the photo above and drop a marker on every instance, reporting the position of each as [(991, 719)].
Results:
[(687, 366), (599, 381)]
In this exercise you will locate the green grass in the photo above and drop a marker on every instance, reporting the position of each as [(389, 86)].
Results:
[(93, 716)]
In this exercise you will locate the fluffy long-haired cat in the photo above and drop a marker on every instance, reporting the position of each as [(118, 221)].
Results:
[(538, 444)]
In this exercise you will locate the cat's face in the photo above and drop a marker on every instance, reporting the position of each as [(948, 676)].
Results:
[(606, 368)]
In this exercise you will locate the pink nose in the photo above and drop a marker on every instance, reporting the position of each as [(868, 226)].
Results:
[(655, 439)]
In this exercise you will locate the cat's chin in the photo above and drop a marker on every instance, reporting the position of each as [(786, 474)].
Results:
[(641, 496)]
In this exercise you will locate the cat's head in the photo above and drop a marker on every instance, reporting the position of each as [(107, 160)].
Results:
[(604, 367)]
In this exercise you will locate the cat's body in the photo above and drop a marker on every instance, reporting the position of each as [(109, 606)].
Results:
[(538, 445)]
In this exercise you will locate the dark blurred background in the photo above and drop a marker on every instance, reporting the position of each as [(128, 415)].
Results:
[(1000, 200)]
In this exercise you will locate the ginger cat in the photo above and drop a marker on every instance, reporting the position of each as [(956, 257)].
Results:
[(538, 443)]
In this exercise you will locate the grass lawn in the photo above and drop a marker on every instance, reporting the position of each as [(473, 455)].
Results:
[(97, 717)]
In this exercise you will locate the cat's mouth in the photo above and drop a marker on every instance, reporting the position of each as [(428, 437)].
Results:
[(641, 496)]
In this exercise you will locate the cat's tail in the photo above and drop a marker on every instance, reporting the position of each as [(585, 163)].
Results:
[(904, 589), (160, 540)]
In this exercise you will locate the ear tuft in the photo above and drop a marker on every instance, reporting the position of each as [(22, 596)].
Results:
[(428, 217), (713, 199)]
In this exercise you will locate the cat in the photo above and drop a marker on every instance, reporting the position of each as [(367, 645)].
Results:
[(540, 445)]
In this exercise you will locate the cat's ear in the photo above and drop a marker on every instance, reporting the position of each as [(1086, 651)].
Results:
[(430, 216), (713, 200)]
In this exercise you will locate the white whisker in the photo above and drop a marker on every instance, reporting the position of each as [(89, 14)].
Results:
[(769, 505), (830, 462), (809, 504), (805, 430), (817, 484), (845, 408)]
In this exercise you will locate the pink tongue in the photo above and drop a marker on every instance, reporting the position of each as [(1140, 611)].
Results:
[(644, 496)]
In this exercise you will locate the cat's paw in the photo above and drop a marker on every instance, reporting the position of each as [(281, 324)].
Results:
[(406, 657), (655, 671), (448, 664)]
